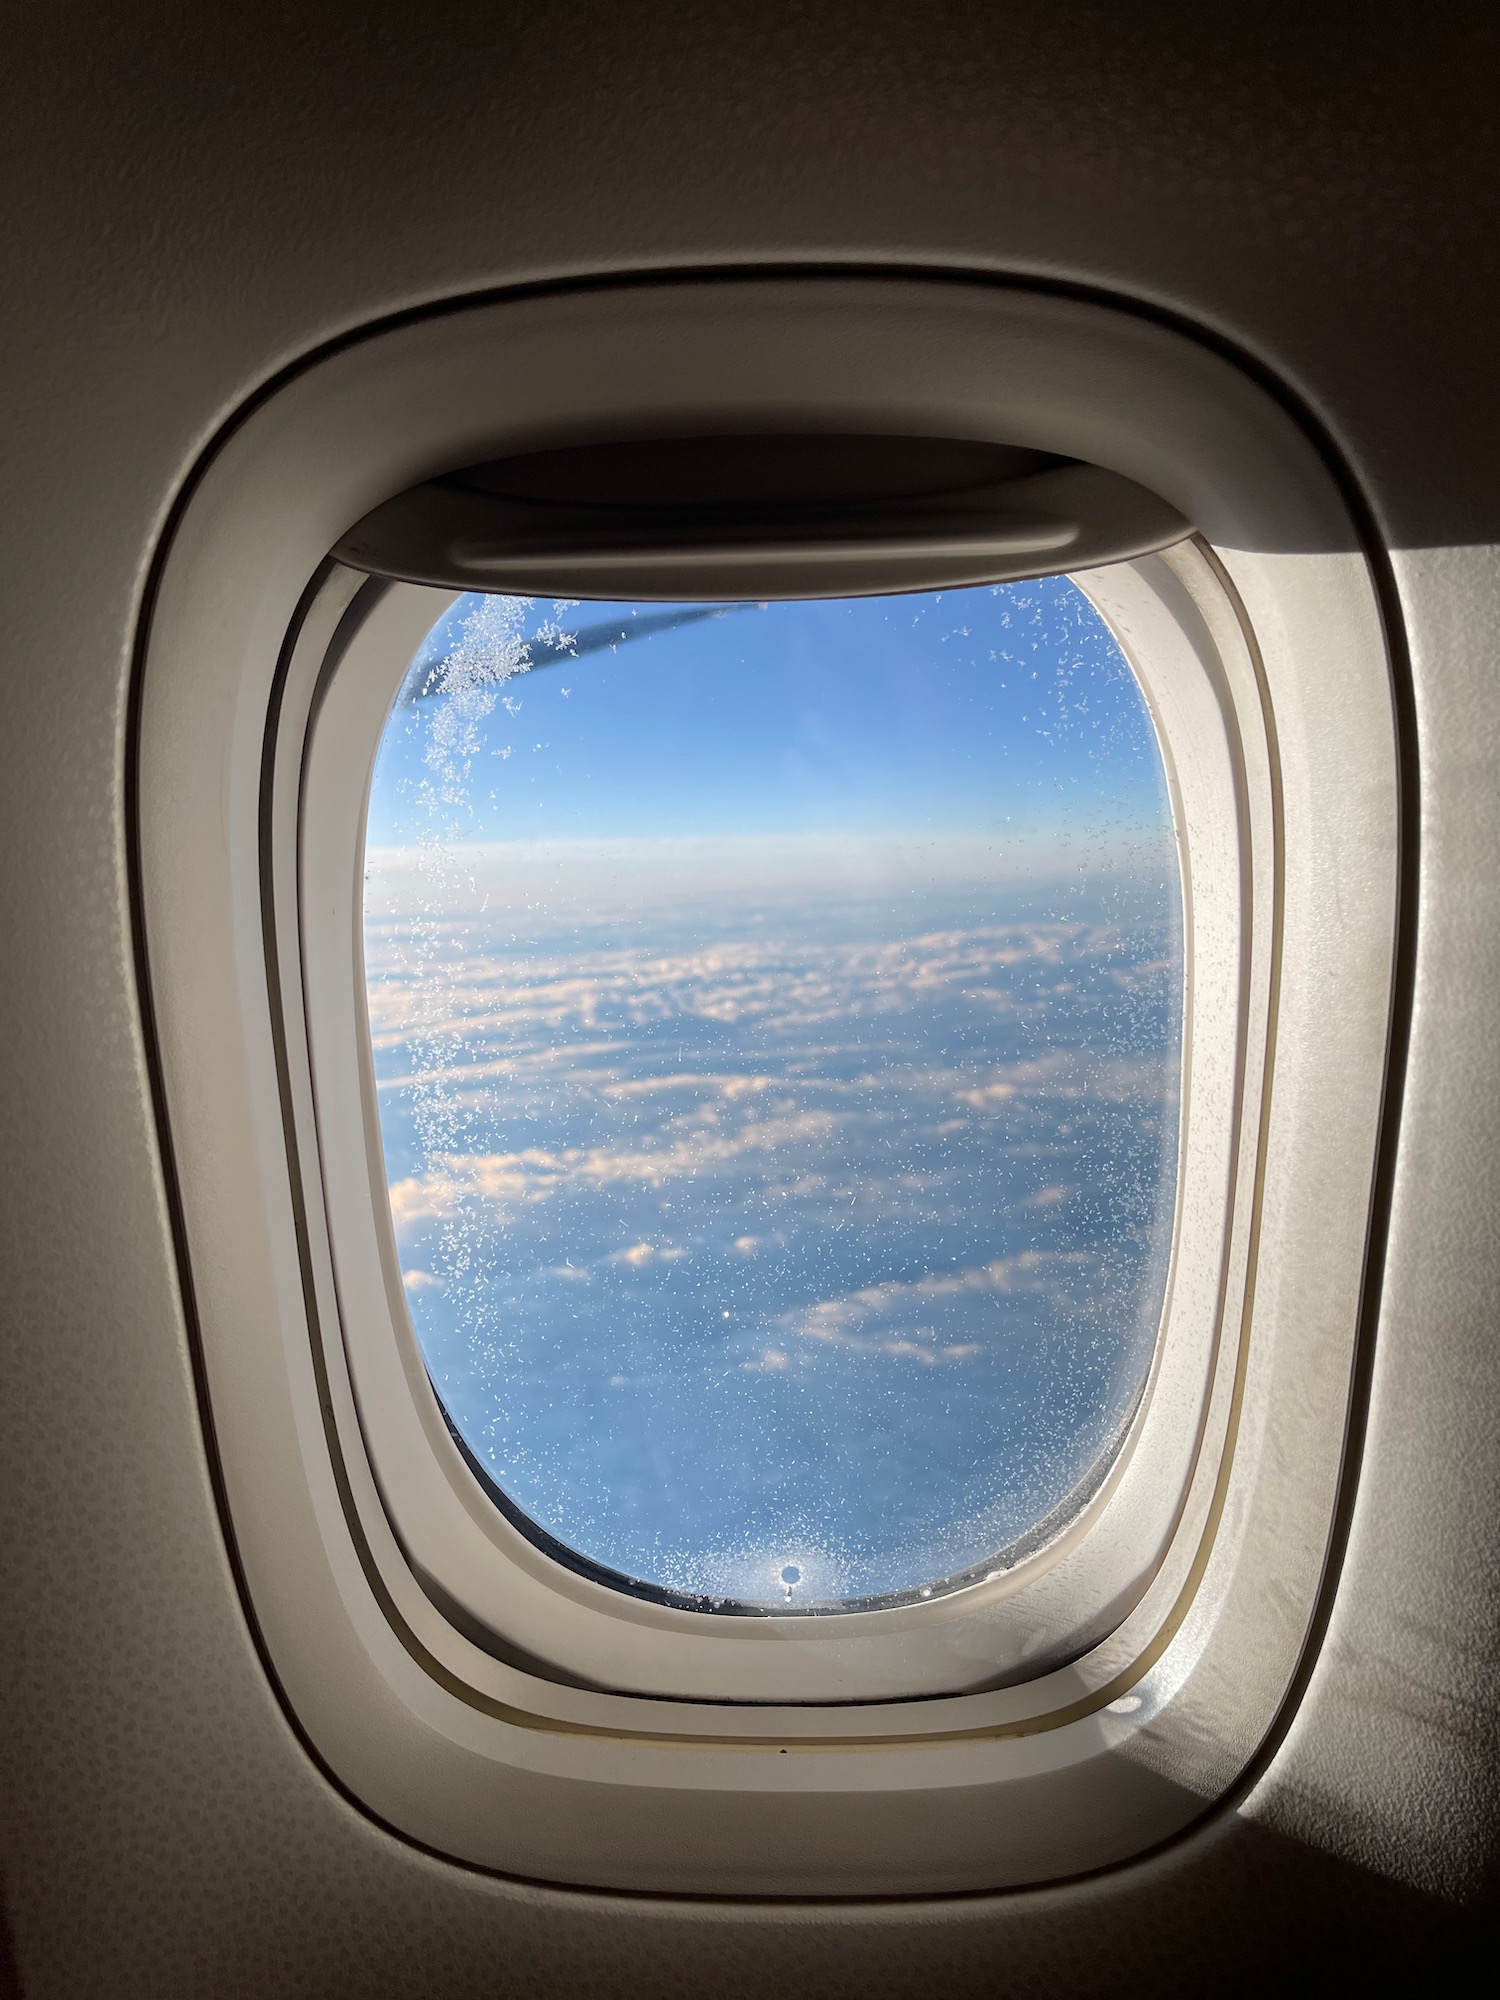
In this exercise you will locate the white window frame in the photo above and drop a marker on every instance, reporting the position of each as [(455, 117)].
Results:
[(492, 1582), (475, 1695)]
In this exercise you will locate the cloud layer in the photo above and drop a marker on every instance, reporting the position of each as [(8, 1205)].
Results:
[(820, 1229)]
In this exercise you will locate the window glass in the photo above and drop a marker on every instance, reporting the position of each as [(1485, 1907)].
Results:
[(776, 1025)]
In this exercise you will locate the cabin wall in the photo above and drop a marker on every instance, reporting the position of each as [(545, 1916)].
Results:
[(199, 199)]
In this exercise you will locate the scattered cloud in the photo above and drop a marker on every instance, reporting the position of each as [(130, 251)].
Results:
[(860, 1319), (639, 1129), (640, 1254), (535, 1174)]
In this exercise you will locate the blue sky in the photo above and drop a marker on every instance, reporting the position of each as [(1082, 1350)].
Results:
[(988, 712)]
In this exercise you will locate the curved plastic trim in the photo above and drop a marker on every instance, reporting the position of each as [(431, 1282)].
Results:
[(483, 1759)]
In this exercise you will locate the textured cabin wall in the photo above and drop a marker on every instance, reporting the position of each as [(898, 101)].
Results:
[(197, 198)]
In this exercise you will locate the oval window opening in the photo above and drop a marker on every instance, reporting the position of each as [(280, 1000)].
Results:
[(776, 1017)]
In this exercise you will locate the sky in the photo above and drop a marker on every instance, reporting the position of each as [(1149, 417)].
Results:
[(987, 724), (776, 1018)]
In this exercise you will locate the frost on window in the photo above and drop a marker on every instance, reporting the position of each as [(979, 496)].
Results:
[(776, 1015)]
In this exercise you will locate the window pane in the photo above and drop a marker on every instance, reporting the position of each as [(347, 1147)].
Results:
[(776, 1016)]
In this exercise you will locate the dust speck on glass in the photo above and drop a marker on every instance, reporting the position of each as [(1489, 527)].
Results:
[(776, 1021)]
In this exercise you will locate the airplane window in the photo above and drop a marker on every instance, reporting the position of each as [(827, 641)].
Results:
[(776, 1016)]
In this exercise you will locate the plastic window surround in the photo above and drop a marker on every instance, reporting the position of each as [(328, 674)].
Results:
[(1138, 1703)]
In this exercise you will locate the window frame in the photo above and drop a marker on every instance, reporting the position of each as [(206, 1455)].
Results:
[(1100, 1757), (479, 1570)]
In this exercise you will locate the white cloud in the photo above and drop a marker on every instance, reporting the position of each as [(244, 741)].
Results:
[(640, 1254), (534, 1174), (480, 1015), (857, 1319)]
